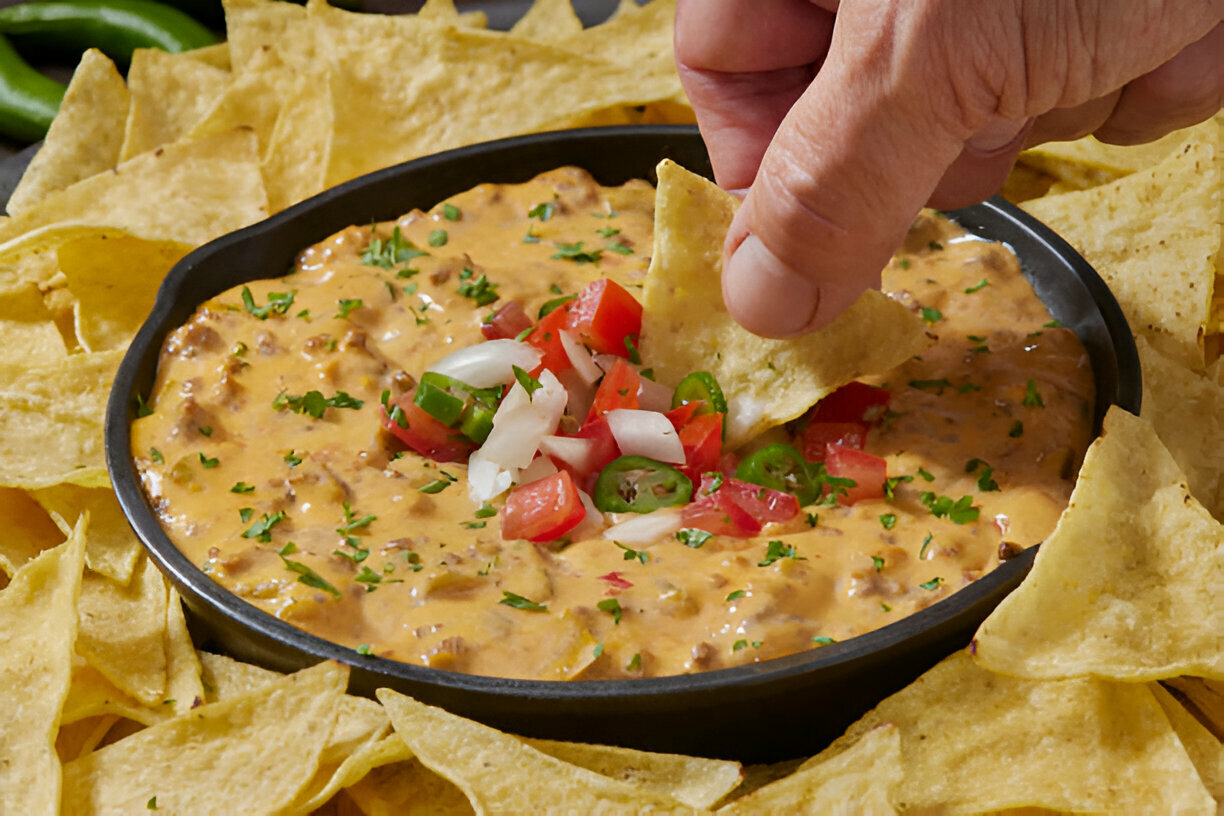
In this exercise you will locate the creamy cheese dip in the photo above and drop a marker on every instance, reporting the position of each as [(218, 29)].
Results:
[(311, 512)]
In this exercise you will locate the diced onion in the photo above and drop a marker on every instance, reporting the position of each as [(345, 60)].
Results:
[(486, 479), (522, 421), (580, 357), (645, 433), (648, 527), (593, 522), (540, 468), (606, 361), (571, 450), (654, 397), (581, 394), (487, 364)]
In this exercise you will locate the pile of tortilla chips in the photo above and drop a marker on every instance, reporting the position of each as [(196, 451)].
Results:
[(1097, 687)]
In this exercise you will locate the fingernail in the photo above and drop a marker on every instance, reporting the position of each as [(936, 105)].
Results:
[(766, 296)]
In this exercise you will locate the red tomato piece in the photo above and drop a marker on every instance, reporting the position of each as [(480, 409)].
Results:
[(817, 435), (604, 314), (618, 389), (853, 402), (617, 582), (867, 471), (763, 503), (680, 416), (506, 323), (720, 515), (426, 435), (702, 441), (546, 336), (603, 451), (543, 510)]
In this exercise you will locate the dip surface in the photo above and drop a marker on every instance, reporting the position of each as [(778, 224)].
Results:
[(312, 513)]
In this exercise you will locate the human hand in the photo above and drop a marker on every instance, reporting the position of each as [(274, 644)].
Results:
[(842, 121)]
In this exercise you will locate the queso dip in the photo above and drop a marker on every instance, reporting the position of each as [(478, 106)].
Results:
[(268, 459)]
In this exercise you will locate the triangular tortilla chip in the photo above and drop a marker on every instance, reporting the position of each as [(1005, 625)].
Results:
[(1128, 585), (686, 327), (170, 94)]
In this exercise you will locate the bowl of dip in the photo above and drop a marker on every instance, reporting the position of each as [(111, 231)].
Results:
[(299, 536)]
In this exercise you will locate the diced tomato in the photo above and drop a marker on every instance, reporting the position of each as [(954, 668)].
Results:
[(604, 315), (853, 402), (702, 441), (680, 416), (721, 516), (738, 509), (543, 510), (426, 435), (867, 471), (603, 451), (547, 338), (817, 435), (618, 583), (764, 503), (506, 323), (618, 389)]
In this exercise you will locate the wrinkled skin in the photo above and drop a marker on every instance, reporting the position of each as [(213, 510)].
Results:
[(840, 121)]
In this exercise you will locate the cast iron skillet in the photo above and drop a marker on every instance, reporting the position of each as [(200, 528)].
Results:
[(776, 709)]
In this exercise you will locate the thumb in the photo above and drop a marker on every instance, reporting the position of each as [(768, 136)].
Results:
[(848, 169)]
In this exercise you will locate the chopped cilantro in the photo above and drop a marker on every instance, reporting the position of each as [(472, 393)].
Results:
[(542, 211), (309, 577), (450, 212), (142, 407), (960, 511), (618, 247), (631, 347), (519, 602), (245, 513), (242, 487), (289, 549), (930, 315), (630, 554), (692, 537), (716, 481), (977, 287), (885, 607), (554, 288), (598, 650), (151, 804), (985, 481), (475, 525), (890, 485), (612, 607), (926, 475), (776, 550), (438, 238), (436, 486), (812, 519), (368, 577), (262, 529), (1032, 399), (635, 662), (934, 245), (364, 649), (967, 387), (531, 237), (388, 253), (1053, 324), (904, 263), (314, 403), (292, 459), (736, 595), (486, 511), (877, 562), (739, 644), (530, 384), (156, 456), (888, 520), (575, 253), (209, 463), (823, 640), (278, 303), (347, 305), (608, 232), (1017, 429), (932, 584), (205, 430), (480, 290), (926, 542), (551, 306), (937, 386)]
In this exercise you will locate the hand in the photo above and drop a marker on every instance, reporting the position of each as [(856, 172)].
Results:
[(843, 121)]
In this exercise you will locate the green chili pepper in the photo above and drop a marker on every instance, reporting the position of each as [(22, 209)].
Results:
[(780, 467), (636, 484), (28, 100), (115, 27), (457, 404), (700, 385)]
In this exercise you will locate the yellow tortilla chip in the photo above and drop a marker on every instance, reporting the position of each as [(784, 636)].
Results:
[(686, 327), (51, 421), (224, 677), (37, 628), (255, 28), (28, 530), (218, 55), (115, 281), (112, 549), (81, 737), (1079, 745), (1205, 698), (1109, 161), (1126, 587), (27, 327), (190, 192), (492, 767), (1154, 237), (92, 695), (636, 37), (863, 776), (85, 137), (1175, 401), (548, 21), (1204, 749), (358, 743), (184, 688), (250, 754), (408, 788), (299, 147), (444, 11), (692, 781), (456, 86), (170, 95), (123, 631)]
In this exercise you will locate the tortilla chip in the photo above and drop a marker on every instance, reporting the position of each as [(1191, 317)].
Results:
[(548, 21), (408, 788), (79, 738), (250, 754), (359, 743), (37, 629), (444, 11), (123, 631), (973, 741), (1205, 698), (492, 768), (189, 192), (1154, 237), (85, 136), (692, 781), (92, 695), (1126, 587), (184, 688), (170, 95), (28, 531), (1204, 749), (28, 330), (224, 677), (863, 777), (51, 421), (686, 327), (456, 86), (1175, 401), (1064, 159), (636, 37), (112, 549), (115, 281), (217, 55), (255, 28), (299, 147)]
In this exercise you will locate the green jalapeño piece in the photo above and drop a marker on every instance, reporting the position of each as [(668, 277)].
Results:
[(457, 404), (636, 484), (700, 386), (780, 467)]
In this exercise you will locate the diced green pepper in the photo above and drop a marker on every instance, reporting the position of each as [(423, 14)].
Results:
[(637, 484), (780, 467), (700, 386)]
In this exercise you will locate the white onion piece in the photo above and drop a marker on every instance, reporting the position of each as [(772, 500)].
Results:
[(645, 433), (654, 397), (486, 480), (541, 467), (647, 528), (606, 361), (580, 357), (487, 364), (522, 421), (571, 450), (592, 523), (581, 394)]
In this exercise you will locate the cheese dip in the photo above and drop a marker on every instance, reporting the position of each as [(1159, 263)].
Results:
[(268, 458)]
